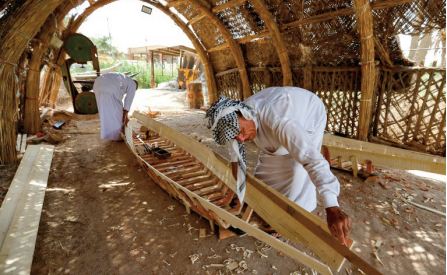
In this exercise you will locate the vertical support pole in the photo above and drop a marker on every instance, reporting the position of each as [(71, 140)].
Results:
[(180, 60), (307, 78), (152, 69), (365, 25), (161, 61), (172, 65)]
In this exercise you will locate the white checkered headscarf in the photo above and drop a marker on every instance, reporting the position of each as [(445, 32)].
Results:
[(223, 121)]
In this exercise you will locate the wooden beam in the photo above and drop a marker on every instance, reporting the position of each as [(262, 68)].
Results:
[(285, 216), (365, 28), (278, 41), (196, 19), (377, 5), (383, 155), (21, 210), (242, 40), (201, 52), (233, 45), (227, 5)]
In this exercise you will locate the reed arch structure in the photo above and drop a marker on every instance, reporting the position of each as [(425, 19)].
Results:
[(344, 51)]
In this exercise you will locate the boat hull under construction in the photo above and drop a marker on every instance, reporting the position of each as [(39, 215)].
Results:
[(191, 173)]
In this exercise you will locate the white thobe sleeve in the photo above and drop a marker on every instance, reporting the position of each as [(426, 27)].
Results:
[(130, 94), (294, 138)]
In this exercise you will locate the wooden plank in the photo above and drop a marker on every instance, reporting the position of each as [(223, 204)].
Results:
[(284, 215), (20, 212), (196, 19), (385, 156), (23, 144), (18, 142)]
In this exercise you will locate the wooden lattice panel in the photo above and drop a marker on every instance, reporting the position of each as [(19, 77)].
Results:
[(410, 108), (229, 85), (339, 90)]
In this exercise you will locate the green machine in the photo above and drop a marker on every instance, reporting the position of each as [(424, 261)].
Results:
[(80, 49)]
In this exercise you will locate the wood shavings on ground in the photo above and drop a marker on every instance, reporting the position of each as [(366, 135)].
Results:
[(194, 258), (171, 207), (246, 252), (375, 250)]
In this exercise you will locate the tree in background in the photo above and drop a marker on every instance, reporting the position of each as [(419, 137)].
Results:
[(104, 46)]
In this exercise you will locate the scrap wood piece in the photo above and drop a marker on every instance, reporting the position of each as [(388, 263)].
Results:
[(426, 208), (21, 210), (296, 223)]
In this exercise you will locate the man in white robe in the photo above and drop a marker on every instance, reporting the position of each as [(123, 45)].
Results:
[(287, 125), (110, 89)]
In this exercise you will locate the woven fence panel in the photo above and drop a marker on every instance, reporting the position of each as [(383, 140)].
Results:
[(410, 109), (229, 85), (339, 89)]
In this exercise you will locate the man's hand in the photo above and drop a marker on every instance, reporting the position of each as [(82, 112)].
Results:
[(125, 117), (339, 224)]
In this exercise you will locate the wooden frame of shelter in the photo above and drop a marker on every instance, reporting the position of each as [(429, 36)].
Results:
[(370, 94)]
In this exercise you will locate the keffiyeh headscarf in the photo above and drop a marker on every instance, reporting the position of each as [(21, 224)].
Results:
[(223, 121)]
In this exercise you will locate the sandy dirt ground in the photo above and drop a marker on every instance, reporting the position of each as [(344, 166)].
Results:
[(103, 215)]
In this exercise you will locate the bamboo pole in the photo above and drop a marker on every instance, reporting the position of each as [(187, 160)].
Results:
[(234, 46), (201, 52), (278, 41), (21, 29), (365, 28)]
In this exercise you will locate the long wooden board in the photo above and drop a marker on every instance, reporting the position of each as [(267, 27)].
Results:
[(383, 155), (285, 216), (21, 209)]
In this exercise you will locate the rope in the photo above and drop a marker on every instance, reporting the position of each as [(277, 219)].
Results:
[(368, 37)]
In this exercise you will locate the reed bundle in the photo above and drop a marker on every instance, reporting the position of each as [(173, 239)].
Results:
[(23, 26)]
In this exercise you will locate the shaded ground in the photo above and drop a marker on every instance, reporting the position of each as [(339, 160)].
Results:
[(103, 215)]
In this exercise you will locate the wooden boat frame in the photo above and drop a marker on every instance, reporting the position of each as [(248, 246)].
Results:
[(286, 217)]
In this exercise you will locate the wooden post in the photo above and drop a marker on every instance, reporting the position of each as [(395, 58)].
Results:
[(180, 59), (307, 77), (365, 25), (161, 61), (172, 65), (151, 53), (278, 41)]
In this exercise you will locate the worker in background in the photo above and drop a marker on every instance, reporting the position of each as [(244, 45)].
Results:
[(109, 90), (287, 125)]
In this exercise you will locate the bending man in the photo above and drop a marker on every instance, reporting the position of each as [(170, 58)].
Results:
[(109, 90), (287, 125)]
